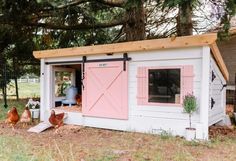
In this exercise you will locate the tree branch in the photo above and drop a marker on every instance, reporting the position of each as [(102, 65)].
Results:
[(73, 3), (113, 3), (76, 27)]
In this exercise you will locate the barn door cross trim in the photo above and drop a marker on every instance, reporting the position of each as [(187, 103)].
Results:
[(104, 90), (103, 95)]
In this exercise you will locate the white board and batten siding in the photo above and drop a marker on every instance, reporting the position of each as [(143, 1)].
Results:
[(157, 118), (217, 94), (142, 118), (196, 56), (46, 92)]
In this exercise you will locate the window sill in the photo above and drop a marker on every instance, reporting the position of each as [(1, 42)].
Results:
[(164, 104)]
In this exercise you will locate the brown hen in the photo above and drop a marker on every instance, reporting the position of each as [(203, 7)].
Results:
[(26, 116), (56, 119), (12, 117), (78, 98)]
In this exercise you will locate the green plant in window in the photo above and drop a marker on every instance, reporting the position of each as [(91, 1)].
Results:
[(65, 85), (190, 106)]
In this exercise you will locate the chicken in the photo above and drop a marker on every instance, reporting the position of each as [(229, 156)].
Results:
[(26, 116), (78, 98), (12, 117), (57, 119)]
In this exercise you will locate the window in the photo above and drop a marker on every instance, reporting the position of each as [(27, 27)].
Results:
[(160, 86), (164, 85)]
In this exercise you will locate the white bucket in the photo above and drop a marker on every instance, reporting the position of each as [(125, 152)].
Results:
[(35, 113), (190, 134)]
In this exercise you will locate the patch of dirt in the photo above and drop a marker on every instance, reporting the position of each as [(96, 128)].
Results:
[(215, 131), (86, 143), (21, 130)]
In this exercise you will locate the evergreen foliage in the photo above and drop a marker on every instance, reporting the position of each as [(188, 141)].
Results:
[(27, 25)]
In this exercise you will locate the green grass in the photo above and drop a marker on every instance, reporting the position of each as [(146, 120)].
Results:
[(29, 90), (93, 144), (26, 90), (16, 148), (18, 104), (13, 148)]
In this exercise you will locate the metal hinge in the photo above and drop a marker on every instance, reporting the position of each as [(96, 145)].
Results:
[(83, 66), (213, 76), (125, 56), (212, 102)]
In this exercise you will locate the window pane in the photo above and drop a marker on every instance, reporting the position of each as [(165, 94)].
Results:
[(164, 85)]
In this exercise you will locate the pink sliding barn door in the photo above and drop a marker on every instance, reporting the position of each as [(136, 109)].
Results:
[(105, 91)]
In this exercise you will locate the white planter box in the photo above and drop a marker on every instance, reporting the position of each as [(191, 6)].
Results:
[(190, 134), (35, 113)]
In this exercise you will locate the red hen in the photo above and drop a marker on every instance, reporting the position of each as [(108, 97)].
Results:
[(26, 116), (12, 117), (56, 119)]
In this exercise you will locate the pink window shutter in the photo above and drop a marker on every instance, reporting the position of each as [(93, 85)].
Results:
[(142, 85), (187, 80)]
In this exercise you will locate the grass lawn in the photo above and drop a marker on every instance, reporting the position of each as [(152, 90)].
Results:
[(26, 90), (75, 143), (18, 104)]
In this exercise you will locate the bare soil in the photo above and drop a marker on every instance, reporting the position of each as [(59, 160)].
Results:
[(84, 143)]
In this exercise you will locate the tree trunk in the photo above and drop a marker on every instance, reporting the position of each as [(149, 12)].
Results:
[(15, 77), (135, 27), (190, 123), (5, 85), (184, 19)]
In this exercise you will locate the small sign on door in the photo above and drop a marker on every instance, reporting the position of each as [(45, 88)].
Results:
[(102, 65)]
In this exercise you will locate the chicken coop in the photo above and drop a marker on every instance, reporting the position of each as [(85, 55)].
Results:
[(137, 86)]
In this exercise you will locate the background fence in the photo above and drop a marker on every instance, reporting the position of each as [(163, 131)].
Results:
[(6, 75), (28, 80), (9, 84)]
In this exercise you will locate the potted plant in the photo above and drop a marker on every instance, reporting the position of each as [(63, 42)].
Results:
[(190, 106), (34, 107)]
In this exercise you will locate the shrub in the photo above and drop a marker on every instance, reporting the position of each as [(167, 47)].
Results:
[(190, 105)]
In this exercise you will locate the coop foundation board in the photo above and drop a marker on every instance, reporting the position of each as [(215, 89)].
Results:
[(129, 94)]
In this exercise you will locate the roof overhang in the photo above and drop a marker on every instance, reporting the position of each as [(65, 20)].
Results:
[(144, 45), (219, 60)]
